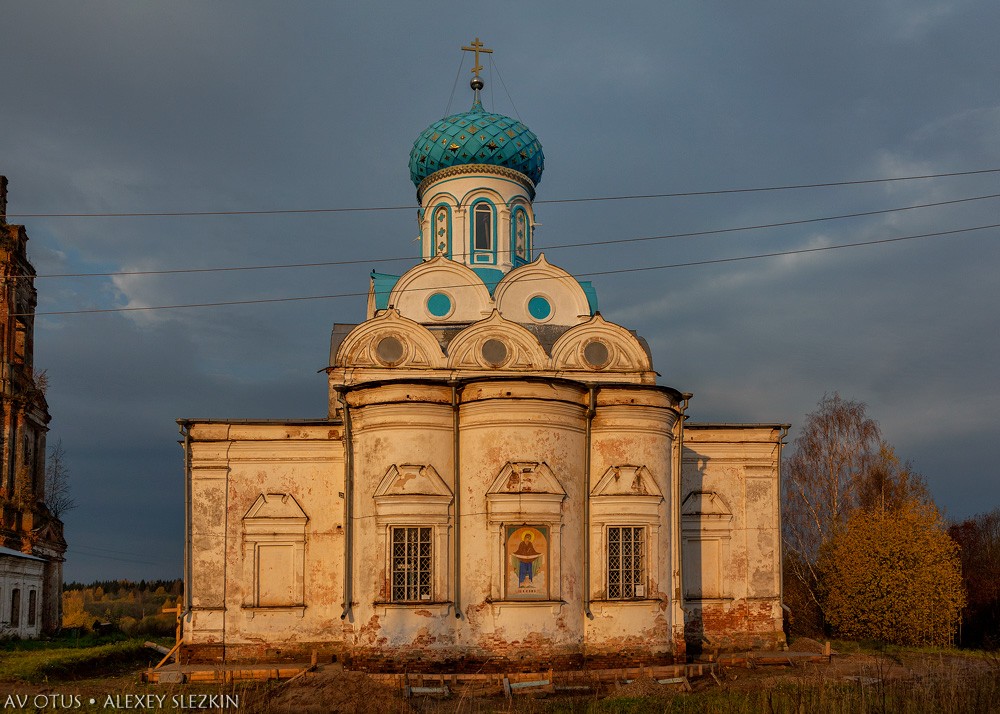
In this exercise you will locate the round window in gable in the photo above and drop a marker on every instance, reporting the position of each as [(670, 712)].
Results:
[(596, 354), (539, 308), (494, 352), (389, 351), (440, 305)]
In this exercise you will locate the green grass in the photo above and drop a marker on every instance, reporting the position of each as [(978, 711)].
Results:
[(43, 660)]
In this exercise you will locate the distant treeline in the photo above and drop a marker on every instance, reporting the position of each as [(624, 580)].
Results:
[(979, 541), (135, 608), (174, 587)]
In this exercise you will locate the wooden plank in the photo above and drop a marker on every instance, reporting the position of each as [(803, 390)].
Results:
[(159, 648), (425, 691), (528, 685)]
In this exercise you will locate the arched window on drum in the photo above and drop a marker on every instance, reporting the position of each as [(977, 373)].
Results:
[(482, 233)]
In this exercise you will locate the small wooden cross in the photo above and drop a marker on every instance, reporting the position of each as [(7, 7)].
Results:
[(477, 47)]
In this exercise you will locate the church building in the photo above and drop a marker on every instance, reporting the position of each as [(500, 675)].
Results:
[(500, 480)]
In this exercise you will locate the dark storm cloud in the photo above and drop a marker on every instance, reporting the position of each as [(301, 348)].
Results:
[(123, 106)]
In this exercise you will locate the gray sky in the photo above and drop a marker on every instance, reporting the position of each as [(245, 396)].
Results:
[(195, 106)]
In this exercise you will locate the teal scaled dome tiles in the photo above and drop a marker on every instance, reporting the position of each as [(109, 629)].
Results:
[(476, 137)]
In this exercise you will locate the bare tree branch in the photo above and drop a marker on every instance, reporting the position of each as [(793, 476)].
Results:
[(58, 496)]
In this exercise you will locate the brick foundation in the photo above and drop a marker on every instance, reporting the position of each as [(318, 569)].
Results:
[(429, 661), (733, 626)]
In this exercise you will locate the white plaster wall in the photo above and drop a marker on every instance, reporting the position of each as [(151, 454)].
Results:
[(740, 464), (25, 574), (231, 466), (391, 425), (506, 421), (633, 427)]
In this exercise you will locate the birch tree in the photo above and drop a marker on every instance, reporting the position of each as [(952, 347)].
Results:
[(58, 497), (838, 445)]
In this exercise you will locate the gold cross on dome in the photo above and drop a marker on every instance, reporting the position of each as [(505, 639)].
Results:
[(477, 47)]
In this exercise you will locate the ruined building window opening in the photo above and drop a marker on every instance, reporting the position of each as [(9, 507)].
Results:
[(32, 606), (412, 564), (626, 562), (15, 607), (27, 453), (20, 341)]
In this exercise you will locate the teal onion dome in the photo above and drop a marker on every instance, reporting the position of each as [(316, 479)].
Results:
[(476, 137)]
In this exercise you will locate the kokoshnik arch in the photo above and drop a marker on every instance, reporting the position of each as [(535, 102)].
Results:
[(499, 477)]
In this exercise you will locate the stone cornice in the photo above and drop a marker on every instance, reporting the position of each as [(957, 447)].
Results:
[(465, 169)]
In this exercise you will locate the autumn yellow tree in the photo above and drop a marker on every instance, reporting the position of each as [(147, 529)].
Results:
[(840, 463), (73, 613), (893, 575)]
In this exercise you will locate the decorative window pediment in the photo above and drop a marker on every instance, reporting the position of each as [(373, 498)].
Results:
[(275, 506), (627, 490), (706, 508), (627, 480), (526, 477), (274, 539), (412, 480), (412, 493)]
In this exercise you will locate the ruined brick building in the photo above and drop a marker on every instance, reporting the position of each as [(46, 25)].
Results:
[(31, 538), (499, 478)]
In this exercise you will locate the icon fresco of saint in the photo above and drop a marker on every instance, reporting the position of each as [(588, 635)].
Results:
[(527, 565)]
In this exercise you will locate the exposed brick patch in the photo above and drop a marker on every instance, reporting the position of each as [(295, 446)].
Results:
[(730, 626), (427, 660), (430, 662), (259, 653)]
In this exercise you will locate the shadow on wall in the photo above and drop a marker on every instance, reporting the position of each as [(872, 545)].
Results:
[(706, 535)]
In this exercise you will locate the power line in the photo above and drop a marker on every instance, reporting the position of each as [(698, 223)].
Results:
[(629, 197), (797, 251), (559, 246), (713, 261)]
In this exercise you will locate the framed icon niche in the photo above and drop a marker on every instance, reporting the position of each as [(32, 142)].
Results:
[(525, 508), (526, 565)]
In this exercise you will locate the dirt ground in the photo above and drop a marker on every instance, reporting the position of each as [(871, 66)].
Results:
[(333, 689)]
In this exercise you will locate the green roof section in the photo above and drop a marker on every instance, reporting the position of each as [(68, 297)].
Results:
[(591, 292), (383, 284), (490, 277), (476, 137)]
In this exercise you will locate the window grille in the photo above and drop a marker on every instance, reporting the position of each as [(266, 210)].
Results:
[(626, 578), (411, 564)]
